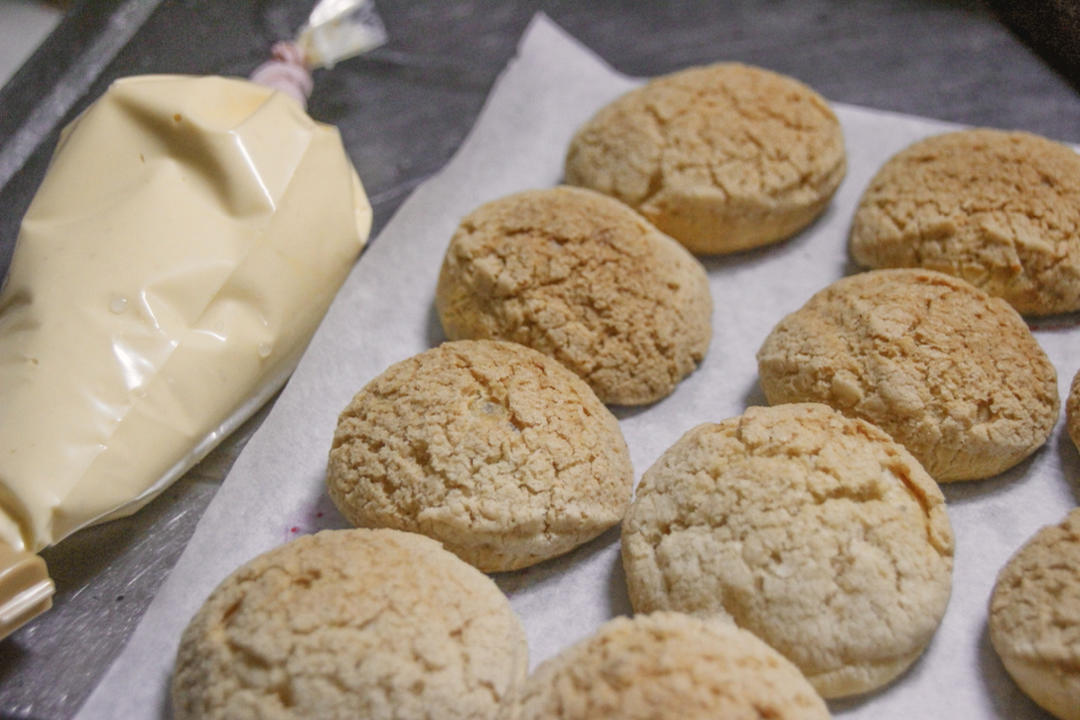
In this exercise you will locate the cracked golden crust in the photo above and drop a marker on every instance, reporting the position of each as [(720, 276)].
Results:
[(998, 209), (581, 277), (669, 665), (492, 448), (352, 623), (1072, 411), (814, 531), (722, 157), (1035, 617), (949, 372)]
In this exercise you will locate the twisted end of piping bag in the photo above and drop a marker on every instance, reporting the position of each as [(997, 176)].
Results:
[(287, 72), (336, 30)]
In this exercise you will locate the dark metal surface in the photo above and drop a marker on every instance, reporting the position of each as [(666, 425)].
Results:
[(403, 110)]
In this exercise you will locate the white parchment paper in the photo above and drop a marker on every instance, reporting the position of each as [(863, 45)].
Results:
[(385, 313)]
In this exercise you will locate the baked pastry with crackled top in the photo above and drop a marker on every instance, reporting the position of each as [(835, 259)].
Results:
[(669, 665), (1035, 617), (812, 530), (493, 449), (722, 158), (998, 209), (1072, 410), (949, 372), (373, 624), (583, 278)]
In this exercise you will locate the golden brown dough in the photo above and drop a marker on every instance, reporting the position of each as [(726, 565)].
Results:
[(670, 665), (814, 531), (951, 373), (581, 277), (372, 624), (1035, 617), (998, 209), (495, 450), (1072, 410), (722, 158)]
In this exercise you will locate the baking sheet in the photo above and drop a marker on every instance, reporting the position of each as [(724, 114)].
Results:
[(385, 313)]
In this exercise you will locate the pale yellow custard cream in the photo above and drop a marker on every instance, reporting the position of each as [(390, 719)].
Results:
[(186, 241)]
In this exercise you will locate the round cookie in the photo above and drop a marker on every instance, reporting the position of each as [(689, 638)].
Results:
[(669, 665), (949, 372), (495, 450), (352, 623), (814, 531), (1035, 617), (1072, 411), (998, 209), (722, 158), (581, 277)]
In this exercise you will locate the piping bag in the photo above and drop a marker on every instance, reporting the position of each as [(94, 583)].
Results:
[(186, 240)]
